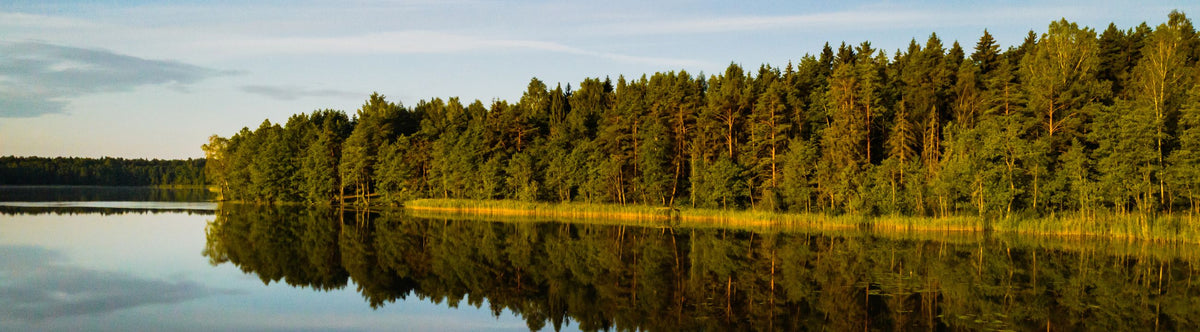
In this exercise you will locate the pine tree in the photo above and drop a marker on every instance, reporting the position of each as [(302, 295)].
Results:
[(843, 142), (987, 54), (1184, 162), (375, 126), (771, 129)]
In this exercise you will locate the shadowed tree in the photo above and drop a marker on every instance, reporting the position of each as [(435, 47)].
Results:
[(375, 126)]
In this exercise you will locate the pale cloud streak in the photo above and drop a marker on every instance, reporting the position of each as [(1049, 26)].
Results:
[(225, 42), (11, 21), (291, 92), (754, 23), (411, 42), (876, 18)]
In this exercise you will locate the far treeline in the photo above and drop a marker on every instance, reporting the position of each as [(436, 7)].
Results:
[(1071, 121), (100, 172)]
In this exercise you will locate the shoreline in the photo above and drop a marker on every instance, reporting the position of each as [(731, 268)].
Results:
[(1127, 227)]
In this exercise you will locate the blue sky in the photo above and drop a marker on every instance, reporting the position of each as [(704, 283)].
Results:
[(143, 79)]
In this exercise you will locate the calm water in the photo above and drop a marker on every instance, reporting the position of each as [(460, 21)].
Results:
[(288, 268), (101, 194), (141, 266)]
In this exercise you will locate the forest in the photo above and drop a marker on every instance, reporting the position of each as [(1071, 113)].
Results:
[(1071, 121), (100, 172)]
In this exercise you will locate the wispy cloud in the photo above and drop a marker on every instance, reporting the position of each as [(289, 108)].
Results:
[(751, 23), (10, 20), (291, 92), (38, 78), (413, 42), (234, 41), (874, 18)]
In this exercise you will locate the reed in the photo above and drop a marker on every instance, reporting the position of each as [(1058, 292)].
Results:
[(637, 213), (1126, 226), (1131, 226)]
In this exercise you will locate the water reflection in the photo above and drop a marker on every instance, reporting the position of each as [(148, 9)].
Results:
[(106, 208), (658, 278), (35, 285), (69, 200), (102, 193)]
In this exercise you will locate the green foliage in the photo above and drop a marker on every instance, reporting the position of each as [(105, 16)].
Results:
[(1068, 122), (319, 181), (111, 171), (523, 182), (375, 126), (796, 178), (1126, 156), (720, 184), (1059, 78), (274, 167), (1184, 163), (398, 171)]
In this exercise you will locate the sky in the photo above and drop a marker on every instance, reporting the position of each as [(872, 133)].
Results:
[(151, 79)]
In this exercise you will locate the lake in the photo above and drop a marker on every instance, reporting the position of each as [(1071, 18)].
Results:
[(162, 261)]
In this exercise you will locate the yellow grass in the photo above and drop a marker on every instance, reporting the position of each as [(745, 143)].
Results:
[(1169, 228)]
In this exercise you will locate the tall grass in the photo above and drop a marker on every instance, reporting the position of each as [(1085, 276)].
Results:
[(1132, 226), (636, 213), (1163, 228)]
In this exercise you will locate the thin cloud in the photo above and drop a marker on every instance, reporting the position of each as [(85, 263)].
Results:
[(38, 78), (239, 43), (864, 19), (10, 20), (412, 42), (751, 23), (40, 288), (289, 92)]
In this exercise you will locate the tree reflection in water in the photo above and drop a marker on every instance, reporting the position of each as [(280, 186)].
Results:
[(662, 278)]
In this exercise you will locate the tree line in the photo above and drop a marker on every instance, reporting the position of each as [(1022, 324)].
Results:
[(1071, 120), (100, 172)]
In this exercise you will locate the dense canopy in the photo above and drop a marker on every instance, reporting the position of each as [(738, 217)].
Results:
[(1070, 120), (100, 172)]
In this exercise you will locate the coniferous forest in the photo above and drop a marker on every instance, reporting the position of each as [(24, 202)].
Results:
[(101, 171), (1071, 120)]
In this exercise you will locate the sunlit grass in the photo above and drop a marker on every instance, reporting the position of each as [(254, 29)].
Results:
[(518, 208), (1128, 226), (1109, 225)]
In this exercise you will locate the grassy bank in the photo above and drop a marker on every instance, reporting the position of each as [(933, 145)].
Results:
[(690, 216), (1167, 228), (1129, 226), (185, 186)]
